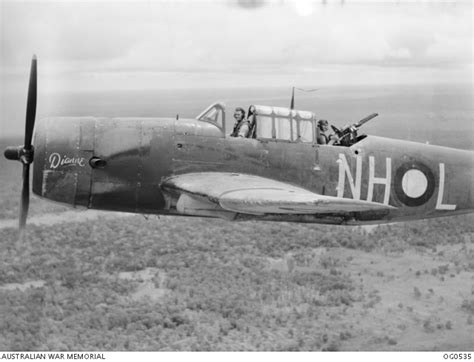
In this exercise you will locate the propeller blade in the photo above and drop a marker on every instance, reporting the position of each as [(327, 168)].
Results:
[(31, 104), (25, 153), (25, 197)]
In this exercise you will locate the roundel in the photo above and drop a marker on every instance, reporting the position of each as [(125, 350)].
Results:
[(414, 183)]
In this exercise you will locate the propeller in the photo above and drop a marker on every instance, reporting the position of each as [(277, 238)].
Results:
[(25, 153)]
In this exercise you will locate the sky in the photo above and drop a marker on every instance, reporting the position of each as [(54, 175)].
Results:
[(106, 45)]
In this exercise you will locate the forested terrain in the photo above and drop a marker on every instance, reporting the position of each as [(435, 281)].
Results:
[(195, 284)]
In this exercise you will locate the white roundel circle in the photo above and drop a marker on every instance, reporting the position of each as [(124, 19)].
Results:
[(414, 183)]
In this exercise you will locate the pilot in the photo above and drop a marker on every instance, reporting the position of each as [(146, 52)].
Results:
[(324, 138), (239, 115)]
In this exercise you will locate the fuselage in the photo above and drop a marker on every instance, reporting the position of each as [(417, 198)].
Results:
[(119, 164)]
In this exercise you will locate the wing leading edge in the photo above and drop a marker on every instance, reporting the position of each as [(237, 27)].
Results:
[(202, 193)]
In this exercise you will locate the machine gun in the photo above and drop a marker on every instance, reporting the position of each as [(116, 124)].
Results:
[(348, 135)]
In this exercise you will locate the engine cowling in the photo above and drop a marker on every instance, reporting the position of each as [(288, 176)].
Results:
[(63, 148), (103, 163)]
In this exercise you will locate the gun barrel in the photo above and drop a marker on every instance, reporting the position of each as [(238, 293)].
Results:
[(366, 119)]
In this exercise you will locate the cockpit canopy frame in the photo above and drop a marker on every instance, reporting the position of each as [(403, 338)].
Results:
[(214, 114), (285, 124), (271, 123)]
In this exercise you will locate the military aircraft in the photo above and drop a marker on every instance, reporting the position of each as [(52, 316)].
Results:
[(190, 167)]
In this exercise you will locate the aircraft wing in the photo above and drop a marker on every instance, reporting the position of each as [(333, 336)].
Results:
[(249, 194)]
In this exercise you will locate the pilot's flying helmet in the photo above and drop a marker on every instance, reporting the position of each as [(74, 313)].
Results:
[(241, 110), (323, 122)]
